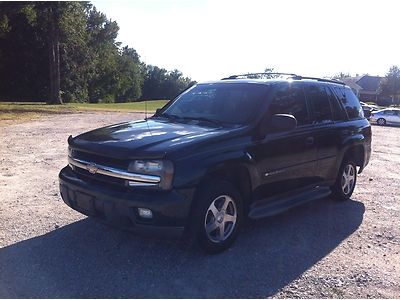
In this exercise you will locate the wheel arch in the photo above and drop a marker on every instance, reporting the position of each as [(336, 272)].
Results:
[(357, 154), (236, 174), (381, 118)]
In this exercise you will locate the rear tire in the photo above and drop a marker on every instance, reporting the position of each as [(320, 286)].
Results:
[(345, 181), (381, 121), (218, 216)]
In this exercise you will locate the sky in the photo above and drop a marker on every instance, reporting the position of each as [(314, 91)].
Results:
[(211, 39)]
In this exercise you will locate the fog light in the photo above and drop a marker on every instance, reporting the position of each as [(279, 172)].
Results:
[(145, 213)]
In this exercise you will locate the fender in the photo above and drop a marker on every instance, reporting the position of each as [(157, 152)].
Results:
[(355, 140), (192, 172)]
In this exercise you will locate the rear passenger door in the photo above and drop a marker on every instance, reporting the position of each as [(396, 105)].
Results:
[(397, 113), (326, 114)]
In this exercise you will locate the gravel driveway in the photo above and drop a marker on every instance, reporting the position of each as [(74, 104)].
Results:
[(322, 249)]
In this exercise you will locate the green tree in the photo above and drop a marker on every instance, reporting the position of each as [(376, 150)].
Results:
[(23, 53), (153, 83), (103, 74), (75, 62), (162, 84), (390, 85), (67, 51), (33, 31), (130, 76), (341, 75)]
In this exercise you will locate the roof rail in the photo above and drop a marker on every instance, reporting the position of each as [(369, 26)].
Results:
[(290, 75), (319, 79), (255, 75)]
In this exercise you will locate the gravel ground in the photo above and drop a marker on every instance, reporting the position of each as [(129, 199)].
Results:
[(322, 249)]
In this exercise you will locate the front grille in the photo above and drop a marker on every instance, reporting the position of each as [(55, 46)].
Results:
[(101, 160), (107, 170), (103, 180)]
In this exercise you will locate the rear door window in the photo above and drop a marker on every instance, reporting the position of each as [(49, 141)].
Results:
[(319, 102), (289, 99), (337, 111)]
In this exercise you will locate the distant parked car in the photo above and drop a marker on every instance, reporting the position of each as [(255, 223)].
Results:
[(367, 109), (386, 116), (372, 107)]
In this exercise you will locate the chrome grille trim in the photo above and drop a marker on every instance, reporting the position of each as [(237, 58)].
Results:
[(117, 173)]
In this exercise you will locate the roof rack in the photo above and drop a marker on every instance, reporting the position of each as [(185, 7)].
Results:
[(255, 75), (320, 79), (290, 76)]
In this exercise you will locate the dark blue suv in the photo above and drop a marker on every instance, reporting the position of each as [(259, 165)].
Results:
[(221, 152)]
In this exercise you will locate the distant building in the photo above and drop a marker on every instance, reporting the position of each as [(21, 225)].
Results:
[(366, 87)]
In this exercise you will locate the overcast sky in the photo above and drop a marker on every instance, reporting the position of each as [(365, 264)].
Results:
[(208, 40)]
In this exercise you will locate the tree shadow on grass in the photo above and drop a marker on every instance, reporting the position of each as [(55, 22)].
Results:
[(89, 259)]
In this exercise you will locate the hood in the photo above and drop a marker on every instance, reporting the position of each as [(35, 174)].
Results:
[(153, 138)]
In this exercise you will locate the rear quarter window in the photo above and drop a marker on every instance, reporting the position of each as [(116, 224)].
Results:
[(338, 112), (350, 103)]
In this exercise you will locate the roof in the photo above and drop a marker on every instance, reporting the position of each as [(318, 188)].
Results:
[(366, 83), (352, 82), (369, 83)]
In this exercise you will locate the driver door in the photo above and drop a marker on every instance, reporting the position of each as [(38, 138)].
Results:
[(287, 160)]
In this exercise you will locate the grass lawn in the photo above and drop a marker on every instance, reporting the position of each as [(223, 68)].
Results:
[(19, 111), (131, 106)]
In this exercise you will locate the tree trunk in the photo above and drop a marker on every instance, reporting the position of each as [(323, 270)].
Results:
[(54, 54)]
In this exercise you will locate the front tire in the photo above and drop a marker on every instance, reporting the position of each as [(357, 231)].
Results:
[(218, 216), (346, 181), (381, 121)]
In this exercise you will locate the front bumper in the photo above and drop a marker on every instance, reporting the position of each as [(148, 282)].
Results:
[(119, 205)]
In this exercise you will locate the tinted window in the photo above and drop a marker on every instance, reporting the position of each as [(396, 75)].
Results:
[(337, 111), (350, 103), (230, 103), (289, 99), (319, 101)]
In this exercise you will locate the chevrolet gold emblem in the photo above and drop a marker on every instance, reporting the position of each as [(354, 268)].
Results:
[(92, 168)]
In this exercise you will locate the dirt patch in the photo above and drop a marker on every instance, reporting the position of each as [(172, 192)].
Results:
[(322, 249)]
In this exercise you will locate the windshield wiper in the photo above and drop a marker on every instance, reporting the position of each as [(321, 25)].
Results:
[(175, 117), (169, 116), (215, 122)]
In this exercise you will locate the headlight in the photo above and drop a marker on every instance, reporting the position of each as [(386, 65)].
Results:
[(162, 168)]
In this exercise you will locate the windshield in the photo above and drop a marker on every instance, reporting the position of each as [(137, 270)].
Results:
[(219, 102)]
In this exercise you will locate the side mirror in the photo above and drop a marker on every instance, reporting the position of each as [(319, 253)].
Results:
[(158, 111), (283, 122)]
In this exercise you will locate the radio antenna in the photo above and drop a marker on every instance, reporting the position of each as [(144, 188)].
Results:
[(145, 109), (147, 122)]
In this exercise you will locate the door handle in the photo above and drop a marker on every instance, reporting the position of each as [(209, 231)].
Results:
[(309, 140)]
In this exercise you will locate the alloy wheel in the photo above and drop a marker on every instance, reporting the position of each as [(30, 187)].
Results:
[(348, 179), (220, 219), (381, 121)]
